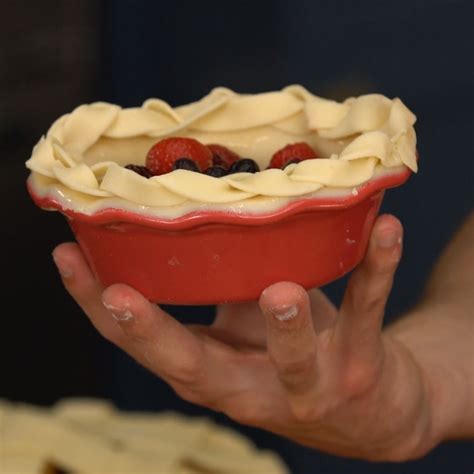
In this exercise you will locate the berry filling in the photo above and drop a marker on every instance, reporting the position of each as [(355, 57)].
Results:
[(186, 164), (216, 171), (301, 151), (162, 156), (244, 165), (141, 170), (213, 160), (291, 162), (222, 156)]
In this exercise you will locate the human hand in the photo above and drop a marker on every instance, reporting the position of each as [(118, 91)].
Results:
[(292, 363)]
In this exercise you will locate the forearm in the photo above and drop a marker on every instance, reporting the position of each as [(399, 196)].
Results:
[(452, 278), (439, 333)]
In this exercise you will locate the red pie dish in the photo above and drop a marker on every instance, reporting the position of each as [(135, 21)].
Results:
[(187, 236)]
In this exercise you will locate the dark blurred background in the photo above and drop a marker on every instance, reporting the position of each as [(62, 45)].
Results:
[(55, 55)]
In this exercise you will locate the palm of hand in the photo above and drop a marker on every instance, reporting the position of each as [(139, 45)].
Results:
[(291, 363), (328, 398)]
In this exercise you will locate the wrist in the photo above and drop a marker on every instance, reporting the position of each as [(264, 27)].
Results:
[(410, 413), (430, 336)]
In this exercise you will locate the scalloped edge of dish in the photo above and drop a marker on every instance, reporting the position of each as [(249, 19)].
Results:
[(197, 218)]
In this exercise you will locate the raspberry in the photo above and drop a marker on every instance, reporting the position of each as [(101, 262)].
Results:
[(141, 170), (222, 156), (291, 162), (301, 151), (162, 155)]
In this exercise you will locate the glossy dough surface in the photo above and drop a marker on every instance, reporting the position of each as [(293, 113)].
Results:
[(81, 159)]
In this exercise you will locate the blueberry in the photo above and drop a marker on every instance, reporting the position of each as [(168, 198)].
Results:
[(216, 171), (245, 165), (186, 164), (290, 162), (141, 170)]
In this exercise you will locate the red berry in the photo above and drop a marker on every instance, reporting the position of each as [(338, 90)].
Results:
[(301, 151), (222, 156), (162, 155)]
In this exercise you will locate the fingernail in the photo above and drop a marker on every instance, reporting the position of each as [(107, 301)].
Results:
[(388, 239), (284, 313), (119, 314), (64, 269)]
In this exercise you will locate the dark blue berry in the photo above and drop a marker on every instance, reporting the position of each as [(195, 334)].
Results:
[(141, 170), (245, 165), (216, 171), (186, 164), (290, 162)]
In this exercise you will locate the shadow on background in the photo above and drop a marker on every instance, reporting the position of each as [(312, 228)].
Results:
[(56, 55)]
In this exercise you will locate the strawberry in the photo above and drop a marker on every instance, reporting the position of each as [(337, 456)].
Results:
[(301, 151), (222, 156), (162, 155)]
